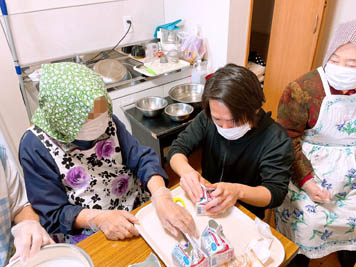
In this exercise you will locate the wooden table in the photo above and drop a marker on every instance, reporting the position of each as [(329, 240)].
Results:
[(105, 253)]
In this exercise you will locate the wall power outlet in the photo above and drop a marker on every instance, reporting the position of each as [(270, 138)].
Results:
[(125, 24)]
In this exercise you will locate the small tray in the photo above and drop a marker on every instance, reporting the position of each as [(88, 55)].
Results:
[(238, 228), (160, 68)]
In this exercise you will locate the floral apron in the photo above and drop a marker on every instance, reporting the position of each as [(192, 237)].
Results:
[(322, 228), (95, 178)]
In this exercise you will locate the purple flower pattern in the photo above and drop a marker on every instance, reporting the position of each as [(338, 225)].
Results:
[(104, 148), (77, 178), (120, 185)]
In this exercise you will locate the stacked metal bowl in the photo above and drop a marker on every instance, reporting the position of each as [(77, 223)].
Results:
[(151, 106), (178, 111), (188, 93), (188, 96)]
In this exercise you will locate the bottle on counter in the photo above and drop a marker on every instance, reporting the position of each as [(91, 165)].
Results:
[(199, 72)]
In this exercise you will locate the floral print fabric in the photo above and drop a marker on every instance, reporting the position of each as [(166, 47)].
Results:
[(298, 110), (66, 97), (330, 146), (96, 178)]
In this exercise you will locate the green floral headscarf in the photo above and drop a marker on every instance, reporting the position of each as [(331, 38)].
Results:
[(66, 97)]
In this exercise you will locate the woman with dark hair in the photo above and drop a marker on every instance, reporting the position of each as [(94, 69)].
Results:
[(246, 155)]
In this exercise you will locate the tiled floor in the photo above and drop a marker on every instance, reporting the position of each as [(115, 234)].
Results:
[(328, 261)]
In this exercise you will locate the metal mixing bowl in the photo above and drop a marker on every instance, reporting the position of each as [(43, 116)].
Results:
[(178, 111), (151, 106), (189, 93)]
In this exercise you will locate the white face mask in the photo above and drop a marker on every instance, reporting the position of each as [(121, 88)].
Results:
[(93, 128), (340, 78), (233, 133)]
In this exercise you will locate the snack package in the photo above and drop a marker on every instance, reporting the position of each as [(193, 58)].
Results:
[(215, 245), (184, 255), (200, 206)]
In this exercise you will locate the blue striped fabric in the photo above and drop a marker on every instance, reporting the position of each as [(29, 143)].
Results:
[(5, 225), (3, 156)]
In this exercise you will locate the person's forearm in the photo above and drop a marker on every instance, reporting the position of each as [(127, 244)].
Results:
[(180, 165), (27, 213), (81, 221), (258, 196), (154, 183), (85, 215)]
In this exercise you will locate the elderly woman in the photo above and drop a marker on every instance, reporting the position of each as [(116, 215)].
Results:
[(319, 112), (246, 155), (82, 169)]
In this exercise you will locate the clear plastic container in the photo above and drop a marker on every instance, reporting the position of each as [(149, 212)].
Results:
[(199, 72)]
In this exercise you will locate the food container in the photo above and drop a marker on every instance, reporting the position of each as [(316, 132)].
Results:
[(178, 111), (151, 106), (184, 255), (188, 93), (57, 255), (205, 199), (215, 245)]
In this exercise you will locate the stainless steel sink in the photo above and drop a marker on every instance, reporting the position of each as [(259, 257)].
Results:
[(133, 77), (32, 87)]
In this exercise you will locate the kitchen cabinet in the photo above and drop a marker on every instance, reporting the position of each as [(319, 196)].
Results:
[(295, 32), (286, 34)]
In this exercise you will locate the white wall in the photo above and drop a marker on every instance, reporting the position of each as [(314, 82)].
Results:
[(13, 116), (215, 21), (240, 16), (63, 31), (338, 12), (45, 30), (15, 7)]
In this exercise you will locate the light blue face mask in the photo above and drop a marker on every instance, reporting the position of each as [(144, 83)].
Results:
[(233, 133)]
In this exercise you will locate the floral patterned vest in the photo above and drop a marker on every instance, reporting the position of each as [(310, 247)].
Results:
[(96, 178)]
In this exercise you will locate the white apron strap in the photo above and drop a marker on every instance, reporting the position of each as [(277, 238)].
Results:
[(324, 81)]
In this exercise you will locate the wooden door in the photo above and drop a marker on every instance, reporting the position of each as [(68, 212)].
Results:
[(294, 36)]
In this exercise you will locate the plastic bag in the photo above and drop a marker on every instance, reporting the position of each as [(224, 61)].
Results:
[(192, 47)]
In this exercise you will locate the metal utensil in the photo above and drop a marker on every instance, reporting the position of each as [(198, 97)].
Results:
[(150, 70)]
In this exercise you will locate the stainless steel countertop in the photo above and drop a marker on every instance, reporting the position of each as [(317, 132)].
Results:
[(32, 87)]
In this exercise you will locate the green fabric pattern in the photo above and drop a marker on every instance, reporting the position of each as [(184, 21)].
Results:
[(66, 97)]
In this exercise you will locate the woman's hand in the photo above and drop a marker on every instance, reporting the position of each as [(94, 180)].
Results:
[(115, 224), (315, 193), (190, 182), (29, 237), (173, 217), (224, 197)]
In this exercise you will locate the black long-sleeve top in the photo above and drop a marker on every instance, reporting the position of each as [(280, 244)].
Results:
[(262, 157)]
